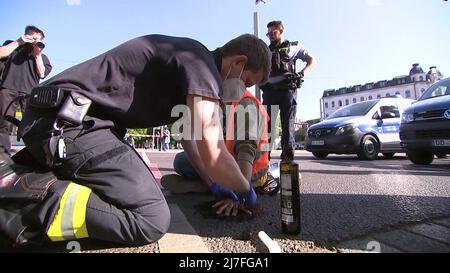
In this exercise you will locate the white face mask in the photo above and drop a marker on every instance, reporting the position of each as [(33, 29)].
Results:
[(233, 88)]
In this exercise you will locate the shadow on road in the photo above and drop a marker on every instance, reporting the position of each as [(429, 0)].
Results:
[(326, 218), (380, 166)]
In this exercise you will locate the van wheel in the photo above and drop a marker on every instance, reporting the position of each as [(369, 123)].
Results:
[(320, 155), (388, 155), (420, 157), (369, 148)]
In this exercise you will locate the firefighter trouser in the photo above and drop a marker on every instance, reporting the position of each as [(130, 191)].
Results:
[(112, 195)]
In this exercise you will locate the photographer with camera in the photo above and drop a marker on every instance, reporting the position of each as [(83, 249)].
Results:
[(284, 81), (24, 66)]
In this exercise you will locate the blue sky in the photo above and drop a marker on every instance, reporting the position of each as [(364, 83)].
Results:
[(355, 41)]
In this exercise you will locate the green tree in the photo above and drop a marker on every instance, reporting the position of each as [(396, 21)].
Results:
[(300, 135), (139, 141)]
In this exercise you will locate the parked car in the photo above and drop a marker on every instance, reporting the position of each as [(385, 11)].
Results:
[(425, 128), (365, 128)]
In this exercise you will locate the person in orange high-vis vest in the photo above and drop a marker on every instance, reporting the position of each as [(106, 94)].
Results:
[(247, 139), (246, 134)]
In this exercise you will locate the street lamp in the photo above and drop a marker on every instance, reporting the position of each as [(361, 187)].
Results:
[(256, 30)]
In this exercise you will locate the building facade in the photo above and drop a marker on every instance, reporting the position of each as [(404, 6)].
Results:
[(411, 86)]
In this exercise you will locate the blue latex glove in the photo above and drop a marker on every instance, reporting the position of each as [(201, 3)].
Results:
[(220, 193), (248, 199)]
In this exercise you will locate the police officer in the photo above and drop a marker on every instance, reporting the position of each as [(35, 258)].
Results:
[(281, 89), (104, 189)]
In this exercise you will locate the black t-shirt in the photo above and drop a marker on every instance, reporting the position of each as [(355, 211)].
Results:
[(137, 84), (2, 66), (20, 71)]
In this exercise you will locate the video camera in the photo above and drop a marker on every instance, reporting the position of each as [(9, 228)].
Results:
[(287, 81), (37, 42), (295, 80)]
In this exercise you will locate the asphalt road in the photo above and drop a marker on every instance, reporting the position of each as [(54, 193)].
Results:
[(347, 205), (342, 199)]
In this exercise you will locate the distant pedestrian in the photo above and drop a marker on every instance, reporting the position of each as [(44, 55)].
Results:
[(166, 139)]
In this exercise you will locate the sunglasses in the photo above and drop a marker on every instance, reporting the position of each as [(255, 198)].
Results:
[(272, 32)]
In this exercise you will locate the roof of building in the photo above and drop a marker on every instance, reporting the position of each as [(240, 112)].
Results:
[(398, 80)]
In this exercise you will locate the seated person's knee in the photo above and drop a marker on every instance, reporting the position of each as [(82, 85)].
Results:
[(178, 162)]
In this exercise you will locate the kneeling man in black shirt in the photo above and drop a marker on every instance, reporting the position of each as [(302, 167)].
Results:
[(103, 189)]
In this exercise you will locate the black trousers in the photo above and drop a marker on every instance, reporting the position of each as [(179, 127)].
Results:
[(126, 204), (8, 107), (287, 101)]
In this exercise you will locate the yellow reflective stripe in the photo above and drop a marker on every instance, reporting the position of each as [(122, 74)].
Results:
[(70, 219), (79, 213), (55, 232)]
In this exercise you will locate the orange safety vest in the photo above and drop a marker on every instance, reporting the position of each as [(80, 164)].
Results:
[(261, 162)]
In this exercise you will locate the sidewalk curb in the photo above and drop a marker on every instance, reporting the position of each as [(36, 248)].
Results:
[(181, 237)]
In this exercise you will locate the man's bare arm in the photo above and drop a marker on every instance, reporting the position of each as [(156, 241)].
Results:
[(190, 148), (40, 67), (219, 164), (6, 50), (310, 64)]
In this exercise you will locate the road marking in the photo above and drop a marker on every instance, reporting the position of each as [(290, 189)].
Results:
[(152, 166)]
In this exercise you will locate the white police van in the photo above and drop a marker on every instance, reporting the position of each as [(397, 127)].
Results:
[(365, 128)]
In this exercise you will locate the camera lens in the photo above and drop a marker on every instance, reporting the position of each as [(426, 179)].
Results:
[(39, 44)]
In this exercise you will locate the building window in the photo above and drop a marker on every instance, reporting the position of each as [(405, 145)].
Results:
[(333, 104), (354, 100), (340, 103), (362, 98), (370, 98), (388, 95), (347, 102), (408, 94), (326, 104)]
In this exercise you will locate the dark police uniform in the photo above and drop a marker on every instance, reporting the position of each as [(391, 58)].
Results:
[(134, 85), (278, 92), (19, 77)]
